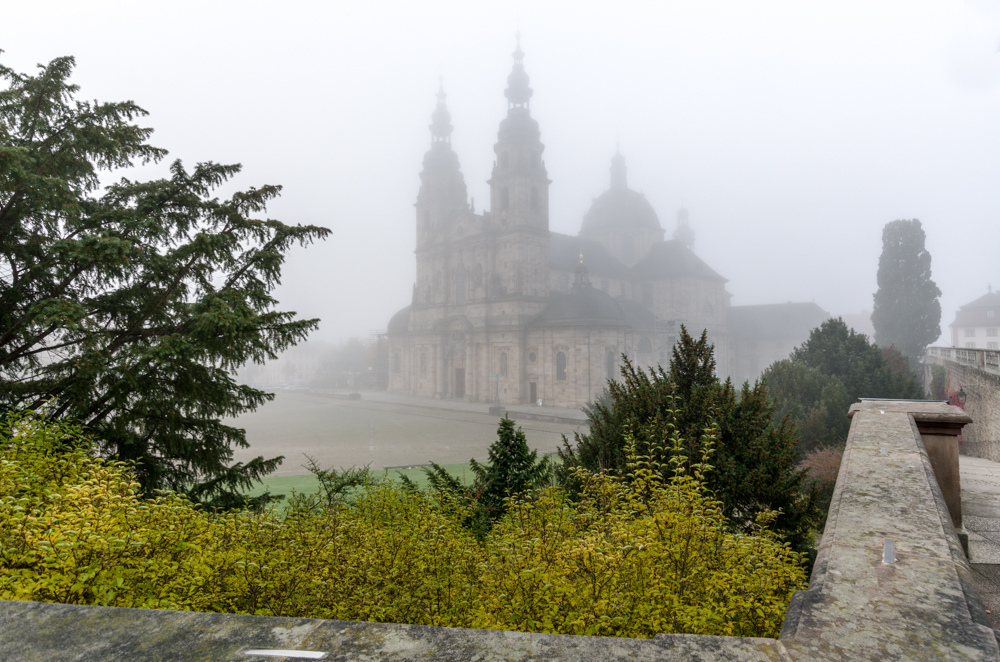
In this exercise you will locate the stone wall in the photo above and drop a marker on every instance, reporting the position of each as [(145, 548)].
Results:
[(971, 373)]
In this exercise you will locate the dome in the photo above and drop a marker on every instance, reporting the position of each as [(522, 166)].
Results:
[(620, 209), (583, 306), (400, 322)]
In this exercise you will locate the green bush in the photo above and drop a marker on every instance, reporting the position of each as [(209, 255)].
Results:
[(630, 558), (816, 385), (755, 461)]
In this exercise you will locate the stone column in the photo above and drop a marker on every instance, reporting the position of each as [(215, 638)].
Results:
[(940, 438)]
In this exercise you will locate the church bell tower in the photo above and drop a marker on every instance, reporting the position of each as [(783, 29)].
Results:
[(519, 192), (441, 203)]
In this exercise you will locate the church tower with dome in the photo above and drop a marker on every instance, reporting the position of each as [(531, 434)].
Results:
[(504, 310), (622, 220)]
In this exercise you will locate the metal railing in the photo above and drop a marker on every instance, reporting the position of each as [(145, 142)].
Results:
[(987, 360)]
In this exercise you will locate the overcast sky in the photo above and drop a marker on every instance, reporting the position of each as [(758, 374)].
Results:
[(791, 131)]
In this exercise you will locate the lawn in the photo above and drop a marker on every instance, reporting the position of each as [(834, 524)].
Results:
[(306, 483)]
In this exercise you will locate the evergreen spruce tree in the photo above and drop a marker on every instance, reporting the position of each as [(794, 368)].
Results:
[(129, 308), (907, 313), (511, 470)]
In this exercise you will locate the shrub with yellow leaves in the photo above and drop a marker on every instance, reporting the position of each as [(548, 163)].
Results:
[(635, 558), (631, 558)]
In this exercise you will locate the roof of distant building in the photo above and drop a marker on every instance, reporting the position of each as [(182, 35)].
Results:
[(976, 313), (673, 258), (565, 251), (638, 316), (583, 306), (776, 320)]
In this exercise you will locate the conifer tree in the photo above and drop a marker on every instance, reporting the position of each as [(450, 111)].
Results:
[(754, 465), (906, 313), (833, 368), (129, 308), (511, 470)]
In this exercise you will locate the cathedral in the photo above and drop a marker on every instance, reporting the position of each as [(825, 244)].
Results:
[(505, 310)]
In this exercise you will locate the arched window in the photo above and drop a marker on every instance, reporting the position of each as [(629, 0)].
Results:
[(423, 363), (477, 275), (645, 347), (536, 201), (504, 198), (561, 366), (707, 310), (397, 363), (503, 364), (611, 365)]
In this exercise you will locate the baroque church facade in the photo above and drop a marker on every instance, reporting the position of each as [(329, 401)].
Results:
[(504, 310)]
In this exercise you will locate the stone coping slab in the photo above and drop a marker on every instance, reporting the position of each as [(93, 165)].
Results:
[(35, 631)]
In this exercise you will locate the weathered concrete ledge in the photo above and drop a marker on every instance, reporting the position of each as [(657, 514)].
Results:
[(915, 603), (922, 603), (32, 631)]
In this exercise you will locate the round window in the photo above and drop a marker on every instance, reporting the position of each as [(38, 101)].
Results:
[(532, 357)]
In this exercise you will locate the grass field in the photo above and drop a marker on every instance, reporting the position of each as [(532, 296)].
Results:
[(341, 434), (307, 483)]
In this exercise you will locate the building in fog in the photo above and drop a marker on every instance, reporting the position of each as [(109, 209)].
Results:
[(976, 323), (504, 309)]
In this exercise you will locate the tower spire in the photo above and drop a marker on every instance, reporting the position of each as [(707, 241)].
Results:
[(518, 92), (441, 118), (618, 169)]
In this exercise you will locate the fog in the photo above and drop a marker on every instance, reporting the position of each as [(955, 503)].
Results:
[(791, 131)]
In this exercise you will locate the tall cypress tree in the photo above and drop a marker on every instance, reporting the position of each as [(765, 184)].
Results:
[(907, 313)]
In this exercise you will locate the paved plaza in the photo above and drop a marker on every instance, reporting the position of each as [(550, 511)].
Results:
[(981, 518)]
